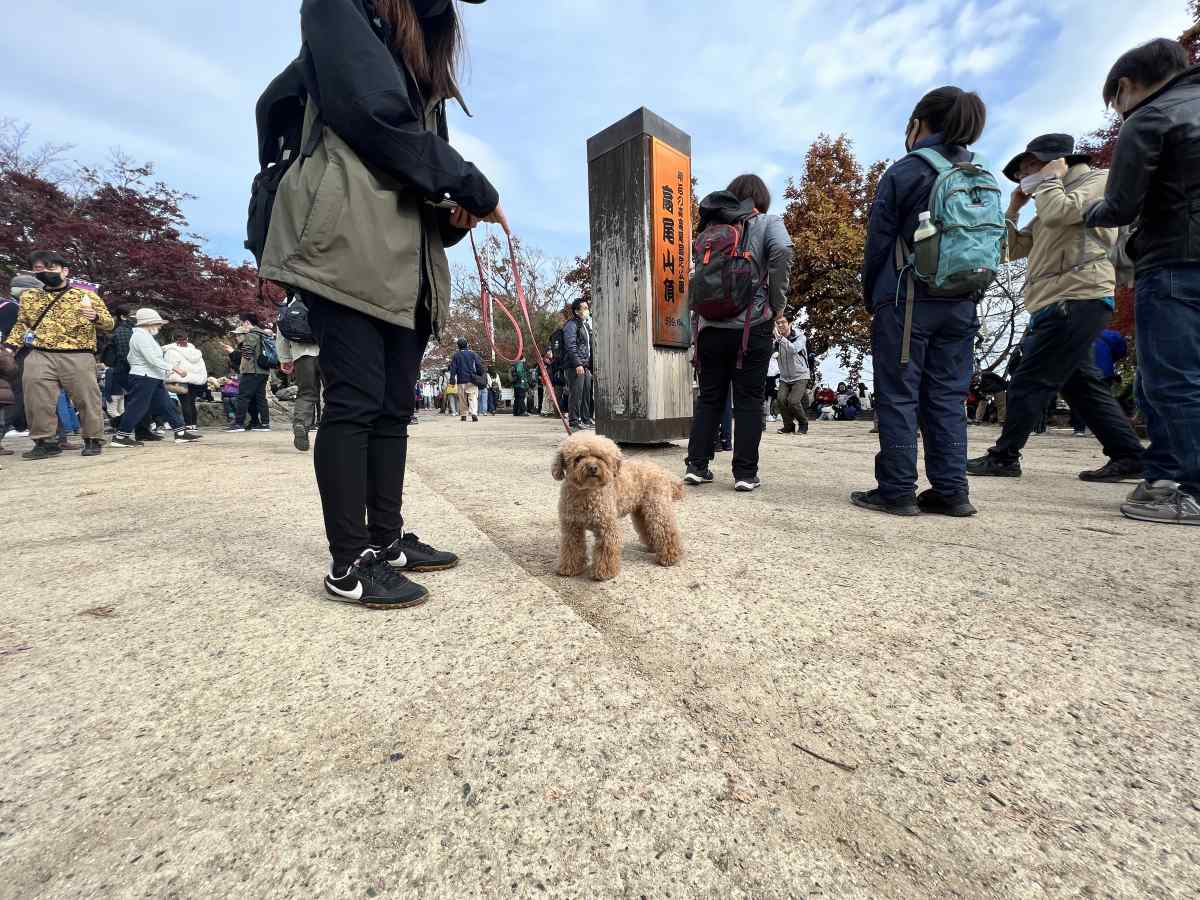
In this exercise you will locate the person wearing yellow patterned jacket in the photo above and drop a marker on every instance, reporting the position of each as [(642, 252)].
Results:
[(56, 329)]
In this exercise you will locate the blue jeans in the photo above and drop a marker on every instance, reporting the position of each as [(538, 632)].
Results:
[(1168, 349), (148, 396), (930, 391)]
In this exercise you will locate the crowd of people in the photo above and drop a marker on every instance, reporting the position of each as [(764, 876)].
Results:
[(367, 289)]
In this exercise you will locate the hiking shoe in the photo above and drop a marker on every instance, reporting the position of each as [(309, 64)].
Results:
[(186, 437), (92, 448), (746, 485), (698, 474), (1114, 471), (932, 502), (1177, 507), (874, 500), (43, 450), (990, 465), (1152, 490), (300, 438), (261, 428), (371, 582), (124, 442), (411, 555)]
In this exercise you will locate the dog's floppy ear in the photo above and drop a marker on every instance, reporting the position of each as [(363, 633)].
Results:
[(556, 468)]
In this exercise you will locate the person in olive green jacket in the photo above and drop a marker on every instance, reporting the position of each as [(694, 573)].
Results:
[(1069, 291), (359, 229)]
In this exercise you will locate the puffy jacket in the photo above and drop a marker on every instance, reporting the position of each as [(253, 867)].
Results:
[(903, 194), (1111, 347), (1155, 177), (793, 357), (190, 359), (1067, 260), (767, 242), (353, 222), (577, 344)]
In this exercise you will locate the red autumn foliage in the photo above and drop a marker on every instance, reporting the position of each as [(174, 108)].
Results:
[(125, 232)]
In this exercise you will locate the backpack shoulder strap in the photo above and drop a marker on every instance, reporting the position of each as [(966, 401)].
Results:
[(940, 164)]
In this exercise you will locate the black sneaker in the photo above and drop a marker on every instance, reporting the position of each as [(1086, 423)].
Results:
[(300, 438), (124, 442), (786, 431), (374, 584), (990, 465), (474, 418), (92, 448), (931, 501), (186, 437), (409, 554), (698, 474), (237, 428), (261, 428), (148, 437), (746, 485), (1115, 471), (43, 450), (873, 500)]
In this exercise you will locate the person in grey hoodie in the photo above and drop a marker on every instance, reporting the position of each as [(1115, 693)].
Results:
[(147, 393), (793, 377), (721, 359)]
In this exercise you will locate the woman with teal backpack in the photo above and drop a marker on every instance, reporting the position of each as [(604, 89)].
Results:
[(924, 310)]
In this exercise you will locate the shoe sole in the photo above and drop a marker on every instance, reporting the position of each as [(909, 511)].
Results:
[(952, 513), (993, 474), (1121, 480), (889, 510), (746, 488), (696, 480), (1154, 520), (431, 568), (373, 604)]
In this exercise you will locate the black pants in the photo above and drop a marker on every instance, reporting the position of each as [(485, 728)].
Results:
[(717, 353), (370, 368), (1058, 358), (252, 399), (187, 403), (519, 402), (929, 393)]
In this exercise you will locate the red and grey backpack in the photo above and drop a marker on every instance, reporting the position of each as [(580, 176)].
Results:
[(727, 277)]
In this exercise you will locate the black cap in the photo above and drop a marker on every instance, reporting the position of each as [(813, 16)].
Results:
[(1047, 148)]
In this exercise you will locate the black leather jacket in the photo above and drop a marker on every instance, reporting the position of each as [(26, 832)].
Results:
[(1155, 177)]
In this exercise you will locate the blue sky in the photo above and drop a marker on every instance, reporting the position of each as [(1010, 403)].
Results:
[(175, 82)]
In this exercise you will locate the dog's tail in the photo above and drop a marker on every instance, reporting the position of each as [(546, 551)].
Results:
[(677, 490)]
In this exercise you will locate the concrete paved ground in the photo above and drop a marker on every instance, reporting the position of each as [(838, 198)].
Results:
[(820, 702)]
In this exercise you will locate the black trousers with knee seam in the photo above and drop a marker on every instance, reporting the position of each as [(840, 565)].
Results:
[(370, 368)]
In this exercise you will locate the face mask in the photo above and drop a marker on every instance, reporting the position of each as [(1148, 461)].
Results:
[(1031, 183), (50, 279)]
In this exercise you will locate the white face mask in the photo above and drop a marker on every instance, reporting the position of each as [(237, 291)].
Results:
[(1031, 183)]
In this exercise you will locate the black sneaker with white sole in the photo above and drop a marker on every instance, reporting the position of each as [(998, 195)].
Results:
[(186, 437), (411, 555), (746, 485), (372, 582), (124, 442), (698, 474)]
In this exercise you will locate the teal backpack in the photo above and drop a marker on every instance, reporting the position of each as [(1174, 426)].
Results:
[(964, 256)]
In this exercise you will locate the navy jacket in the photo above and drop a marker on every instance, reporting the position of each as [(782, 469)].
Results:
[(464, 366), (577, 339), (903, 194)]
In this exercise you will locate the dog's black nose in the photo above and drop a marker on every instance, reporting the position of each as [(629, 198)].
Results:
[(593, 470)]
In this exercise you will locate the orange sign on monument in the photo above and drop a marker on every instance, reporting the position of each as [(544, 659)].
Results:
[(670, 243)]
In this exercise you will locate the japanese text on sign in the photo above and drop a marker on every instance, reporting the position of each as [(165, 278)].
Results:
[(671, 235)]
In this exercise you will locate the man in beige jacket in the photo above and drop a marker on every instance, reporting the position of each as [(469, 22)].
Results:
[(1069, 291)]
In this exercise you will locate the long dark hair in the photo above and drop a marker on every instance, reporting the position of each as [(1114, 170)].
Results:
[(960, 115), (751, 187), (432, 47)]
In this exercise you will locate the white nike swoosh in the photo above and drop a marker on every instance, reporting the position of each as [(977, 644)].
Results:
[(401, 562), (355, 594)]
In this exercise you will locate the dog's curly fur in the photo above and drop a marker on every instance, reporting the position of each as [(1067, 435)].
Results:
[(599, 487)]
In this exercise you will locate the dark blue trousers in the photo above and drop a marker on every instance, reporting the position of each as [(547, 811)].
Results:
[(1168, 338), (929, 393), (147, 396)]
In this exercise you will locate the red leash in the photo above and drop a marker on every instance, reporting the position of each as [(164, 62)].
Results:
[(486, 300)]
